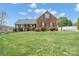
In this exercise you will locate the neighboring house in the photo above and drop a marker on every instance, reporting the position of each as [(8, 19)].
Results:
[(5, 28), (46, 19), (75, 24), (67, 28)]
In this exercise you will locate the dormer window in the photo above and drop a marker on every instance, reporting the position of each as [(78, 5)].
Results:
[(47, 15)]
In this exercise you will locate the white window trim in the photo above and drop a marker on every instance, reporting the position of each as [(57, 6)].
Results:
[(51, 24), (43, 24)]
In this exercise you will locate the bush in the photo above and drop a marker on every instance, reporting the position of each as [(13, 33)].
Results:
[(47, 29), (56, 29), (37, 29), (33, 28), (21, 29), (53, 29), (14, 29), (28, 29), (43, 29)]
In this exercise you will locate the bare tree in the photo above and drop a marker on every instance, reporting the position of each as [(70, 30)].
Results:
[(2, 19)]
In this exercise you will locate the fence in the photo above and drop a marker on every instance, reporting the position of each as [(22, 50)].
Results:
[(68, 28)]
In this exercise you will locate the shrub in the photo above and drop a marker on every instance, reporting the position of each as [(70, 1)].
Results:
[(53, 29), (33, 28), (47, 29), (37, 29), (43, 29), (20, 29), (56, 29), (14, 29), (28, 29)]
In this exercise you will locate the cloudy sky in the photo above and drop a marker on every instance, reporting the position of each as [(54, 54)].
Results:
[(31, 11)]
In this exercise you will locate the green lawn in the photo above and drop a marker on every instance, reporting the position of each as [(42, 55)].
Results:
[(39, 43)]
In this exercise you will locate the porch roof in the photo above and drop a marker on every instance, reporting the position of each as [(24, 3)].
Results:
[(25, 21)]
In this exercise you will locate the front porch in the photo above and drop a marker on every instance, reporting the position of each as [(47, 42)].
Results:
[(25, 27)]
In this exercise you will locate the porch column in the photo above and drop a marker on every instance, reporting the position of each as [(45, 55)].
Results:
[(16, 27), (23, 27), (35, 25)]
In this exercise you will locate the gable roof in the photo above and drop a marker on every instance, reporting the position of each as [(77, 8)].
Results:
[(31, 21), (42, 13), (25, 21)]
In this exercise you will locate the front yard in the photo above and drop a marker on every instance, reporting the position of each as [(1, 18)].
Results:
[(40, 43)]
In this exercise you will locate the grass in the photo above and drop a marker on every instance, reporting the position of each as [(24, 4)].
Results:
[(40, 44)]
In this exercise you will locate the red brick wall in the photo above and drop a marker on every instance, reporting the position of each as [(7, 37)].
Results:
[(46, 21)]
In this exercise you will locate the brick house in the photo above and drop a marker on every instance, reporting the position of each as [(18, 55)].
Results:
[(46, 19)]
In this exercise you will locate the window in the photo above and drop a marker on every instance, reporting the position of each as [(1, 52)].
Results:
[(53, 24), (50, 24), (16, 26), (43, 24), (21, 26), (46, 15)]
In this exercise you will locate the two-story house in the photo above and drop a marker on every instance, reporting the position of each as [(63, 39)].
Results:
[(46, 19)]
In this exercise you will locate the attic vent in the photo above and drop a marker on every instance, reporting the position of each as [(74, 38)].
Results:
[(47, 15)]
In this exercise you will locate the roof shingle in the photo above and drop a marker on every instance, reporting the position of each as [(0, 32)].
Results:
[(26, 21)]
